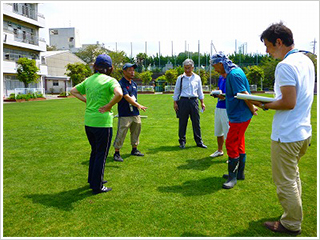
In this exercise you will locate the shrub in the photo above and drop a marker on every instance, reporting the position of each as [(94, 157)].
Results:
[(19, 96), (161, 78), (12, 96), (39, 95)]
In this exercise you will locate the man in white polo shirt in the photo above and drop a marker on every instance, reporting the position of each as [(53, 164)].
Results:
[(291, 127)]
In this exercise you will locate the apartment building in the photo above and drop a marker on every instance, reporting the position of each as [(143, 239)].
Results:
[(21, 25), (65, 38)]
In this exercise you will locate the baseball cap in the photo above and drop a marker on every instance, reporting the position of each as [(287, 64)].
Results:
[(103, 60), (128, 65)]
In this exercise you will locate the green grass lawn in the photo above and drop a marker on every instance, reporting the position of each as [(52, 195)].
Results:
[(169, 192)]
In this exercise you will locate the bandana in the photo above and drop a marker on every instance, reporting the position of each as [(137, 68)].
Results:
[(227, 63)]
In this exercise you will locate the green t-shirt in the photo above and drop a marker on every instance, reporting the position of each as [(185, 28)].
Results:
[(98, 89)]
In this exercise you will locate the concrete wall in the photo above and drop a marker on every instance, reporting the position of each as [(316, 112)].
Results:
[(57, 63)]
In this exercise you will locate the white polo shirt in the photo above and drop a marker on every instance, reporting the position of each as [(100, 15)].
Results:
[(294, 125)]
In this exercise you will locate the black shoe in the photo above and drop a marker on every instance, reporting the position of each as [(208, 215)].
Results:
[(201, 145), (137, 153), (182, 145), (278, 227), (105, 181), (102, 190), (117, 157)]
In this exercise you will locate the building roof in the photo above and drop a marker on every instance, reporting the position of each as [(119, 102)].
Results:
[(51, 53)]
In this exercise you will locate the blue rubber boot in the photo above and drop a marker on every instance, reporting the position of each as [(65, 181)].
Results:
[(233, 165), (242, 164)]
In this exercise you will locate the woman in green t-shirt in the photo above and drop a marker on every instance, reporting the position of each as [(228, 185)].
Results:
[(101, 93)]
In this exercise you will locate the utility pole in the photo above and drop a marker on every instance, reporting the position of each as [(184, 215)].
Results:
[(159, 54), (235, 50), (199, 56), (314, 45), (172, 49), (210, 64), (146, 50), (185, 47)]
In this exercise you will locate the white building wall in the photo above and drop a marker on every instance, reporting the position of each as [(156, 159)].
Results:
[(64, 38), (21, 24)]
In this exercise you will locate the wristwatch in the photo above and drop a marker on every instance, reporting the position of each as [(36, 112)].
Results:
[(264, 107)]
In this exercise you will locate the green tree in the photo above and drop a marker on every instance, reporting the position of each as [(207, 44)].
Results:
[(171, 76), (313, 58), (89, 53), (117, 73), (180, 70), (140, 60), (255, 74), (27, 71), (214, 78), (78, 72), (161, 78), (119, 58), (204, 76), (146, 77), (269, 66)]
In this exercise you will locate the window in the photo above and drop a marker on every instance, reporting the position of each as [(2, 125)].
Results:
[(53, 32), (55, 83), (43, 60), (15, 7)]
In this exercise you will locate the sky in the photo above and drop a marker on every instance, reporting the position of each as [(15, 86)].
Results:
[(182, 25)]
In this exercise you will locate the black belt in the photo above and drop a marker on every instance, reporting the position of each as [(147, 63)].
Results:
[(189, 97)]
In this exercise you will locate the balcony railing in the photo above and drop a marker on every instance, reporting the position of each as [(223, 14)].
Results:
[(25, 39), (26, 11), (15, 56)]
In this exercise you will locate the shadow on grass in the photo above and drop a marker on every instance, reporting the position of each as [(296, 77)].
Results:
[(108, 160), (62, 200), (191, 234), (196, 187), (200, 164), (167, 149), (257, 229)]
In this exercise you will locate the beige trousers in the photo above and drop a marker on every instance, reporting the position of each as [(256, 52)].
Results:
[(124, 123), (285, 172)]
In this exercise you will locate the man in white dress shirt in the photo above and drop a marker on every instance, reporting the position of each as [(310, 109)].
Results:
[(186, 95)]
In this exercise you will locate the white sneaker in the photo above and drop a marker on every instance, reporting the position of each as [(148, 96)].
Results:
[(216, 154)]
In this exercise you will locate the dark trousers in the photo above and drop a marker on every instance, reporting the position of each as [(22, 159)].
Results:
[(189, 107), (100, 140)]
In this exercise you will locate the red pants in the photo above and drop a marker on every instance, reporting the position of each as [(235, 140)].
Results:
[(235, 143)]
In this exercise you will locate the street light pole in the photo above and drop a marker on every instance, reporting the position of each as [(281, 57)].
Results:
[(210, 64), (199, 56), (159, 54)]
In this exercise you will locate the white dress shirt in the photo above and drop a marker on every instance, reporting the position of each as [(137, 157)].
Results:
[(191, 87)]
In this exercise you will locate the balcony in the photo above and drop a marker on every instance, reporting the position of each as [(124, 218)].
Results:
[(30, 16), (34, 43), (11, 67)]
